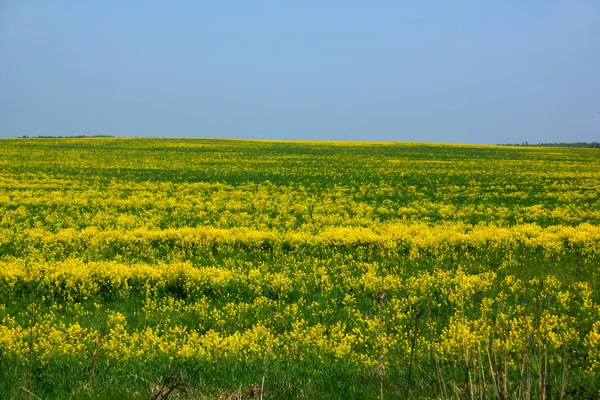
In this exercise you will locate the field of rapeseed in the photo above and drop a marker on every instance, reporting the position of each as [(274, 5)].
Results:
[(139, 268)]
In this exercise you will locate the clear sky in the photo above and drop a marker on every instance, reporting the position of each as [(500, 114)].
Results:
[(442, 71)]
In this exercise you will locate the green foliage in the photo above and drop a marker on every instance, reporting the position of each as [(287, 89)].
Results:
[(178, 268)]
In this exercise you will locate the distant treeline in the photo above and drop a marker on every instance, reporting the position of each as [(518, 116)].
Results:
[(593, 145), (67, 137)]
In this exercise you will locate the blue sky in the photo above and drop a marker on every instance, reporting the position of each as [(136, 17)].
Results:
[(461, 71)]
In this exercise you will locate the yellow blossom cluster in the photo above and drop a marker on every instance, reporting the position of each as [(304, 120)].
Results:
[(470, 270)]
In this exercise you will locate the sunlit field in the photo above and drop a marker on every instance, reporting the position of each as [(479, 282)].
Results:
[(140, 268)]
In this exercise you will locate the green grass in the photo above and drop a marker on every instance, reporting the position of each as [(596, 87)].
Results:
[(81, 206)]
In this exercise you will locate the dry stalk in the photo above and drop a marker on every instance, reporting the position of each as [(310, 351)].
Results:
[(96, 353), (540, 374), (494, 380), (29, 393), (438, 372), (565, 374), (31, 329), (381, 369), (412, 350), (483, 384)]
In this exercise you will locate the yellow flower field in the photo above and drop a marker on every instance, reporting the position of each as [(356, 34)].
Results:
[(307, 269)]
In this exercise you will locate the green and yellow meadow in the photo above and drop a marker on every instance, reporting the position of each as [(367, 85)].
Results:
[(172, 268)]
